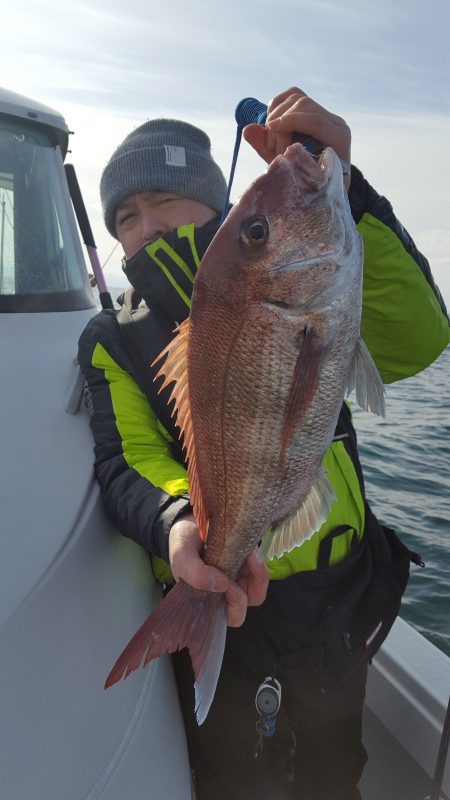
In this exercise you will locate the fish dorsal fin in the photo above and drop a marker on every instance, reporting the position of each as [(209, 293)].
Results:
[(291, 531), (175, 371), (366, 381)]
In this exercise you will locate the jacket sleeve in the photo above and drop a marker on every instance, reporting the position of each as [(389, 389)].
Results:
[(404, 320), (143, 486)]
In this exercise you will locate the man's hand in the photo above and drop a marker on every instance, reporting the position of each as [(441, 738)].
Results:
[(292, 112), (251, 583)]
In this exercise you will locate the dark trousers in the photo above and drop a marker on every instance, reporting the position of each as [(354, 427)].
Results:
[(316, 752), (315, 633)]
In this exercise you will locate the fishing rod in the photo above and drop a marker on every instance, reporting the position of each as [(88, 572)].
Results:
[(88, 238), (250, 110)]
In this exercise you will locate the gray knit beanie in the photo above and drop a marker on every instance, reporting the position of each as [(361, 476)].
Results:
[(162, 155)]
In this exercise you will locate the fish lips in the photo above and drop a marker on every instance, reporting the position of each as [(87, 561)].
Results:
[(311, 174)]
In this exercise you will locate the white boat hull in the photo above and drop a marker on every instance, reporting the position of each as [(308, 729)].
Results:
[(72, 589)]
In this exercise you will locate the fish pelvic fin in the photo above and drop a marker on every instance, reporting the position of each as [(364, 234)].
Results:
[(303, 387), (365, 379), (175, 370), (296, 528), (185, 617)]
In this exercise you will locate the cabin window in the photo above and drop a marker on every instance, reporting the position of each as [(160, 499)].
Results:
[(42, 266)]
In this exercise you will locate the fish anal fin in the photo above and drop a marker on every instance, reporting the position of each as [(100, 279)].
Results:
[(299, 526), (185, 617), (303, 386), (365, 379), (175, 370)]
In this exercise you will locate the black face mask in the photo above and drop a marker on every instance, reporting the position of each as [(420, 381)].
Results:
[(163, 272)]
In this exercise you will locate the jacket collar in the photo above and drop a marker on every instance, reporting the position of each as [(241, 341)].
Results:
[(163, 272)]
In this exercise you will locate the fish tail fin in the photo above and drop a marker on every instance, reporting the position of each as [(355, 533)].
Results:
[(185, 617), (366, 380)]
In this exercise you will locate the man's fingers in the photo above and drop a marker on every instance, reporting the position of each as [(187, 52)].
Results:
[(261, 140), (236, 605), (294, 112), (187, 564), (185, 560), (253, 578), (259, 582), (284, 99)]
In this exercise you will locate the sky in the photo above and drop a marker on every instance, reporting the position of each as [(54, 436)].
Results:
[(382, 66)]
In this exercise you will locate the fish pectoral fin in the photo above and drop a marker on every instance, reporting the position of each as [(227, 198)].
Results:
[(185, 617), (293, 530), (366, 381), (175, 370)]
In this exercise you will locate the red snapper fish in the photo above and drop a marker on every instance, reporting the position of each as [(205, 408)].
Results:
[(260, 370)]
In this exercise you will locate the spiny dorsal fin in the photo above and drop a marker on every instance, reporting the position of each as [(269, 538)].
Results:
[(291, 531), (175, 371), (366, 381)]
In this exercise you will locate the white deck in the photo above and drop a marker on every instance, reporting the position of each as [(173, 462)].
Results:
[(391, 773), (407, 695)]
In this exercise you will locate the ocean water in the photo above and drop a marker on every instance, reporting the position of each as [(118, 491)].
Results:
[(406, 464)]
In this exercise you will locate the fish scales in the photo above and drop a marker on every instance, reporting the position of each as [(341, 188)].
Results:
[(241, 418), (253, 354), (270, 348)]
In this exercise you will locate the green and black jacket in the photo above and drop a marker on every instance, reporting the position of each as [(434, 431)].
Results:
[(138, 461)]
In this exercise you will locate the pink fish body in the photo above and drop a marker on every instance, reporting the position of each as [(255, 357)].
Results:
[(260, 370)]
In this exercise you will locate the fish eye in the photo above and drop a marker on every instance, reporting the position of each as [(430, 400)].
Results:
[(255, 231)]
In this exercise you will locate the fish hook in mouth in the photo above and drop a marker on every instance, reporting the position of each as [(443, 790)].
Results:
[(331, 165), (324, 159)]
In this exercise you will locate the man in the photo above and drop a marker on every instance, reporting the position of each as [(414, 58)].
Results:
[(331, 602)]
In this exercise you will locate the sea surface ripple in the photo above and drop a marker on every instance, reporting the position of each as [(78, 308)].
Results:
[(406, 460)]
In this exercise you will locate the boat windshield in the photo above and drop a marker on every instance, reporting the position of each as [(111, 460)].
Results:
[(41, 261)]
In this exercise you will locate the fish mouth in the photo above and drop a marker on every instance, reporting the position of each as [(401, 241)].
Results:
[(310, 172)]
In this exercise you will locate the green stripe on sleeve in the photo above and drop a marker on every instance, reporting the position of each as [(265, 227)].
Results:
[(144, 448)]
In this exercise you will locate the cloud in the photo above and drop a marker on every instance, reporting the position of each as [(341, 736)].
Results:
[(137, 56), (384, 67), (436, 244), (401, 156)]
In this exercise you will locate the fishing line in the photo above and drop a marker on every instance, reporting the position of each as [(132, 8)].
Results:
[(112, 251), (247, 111)]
